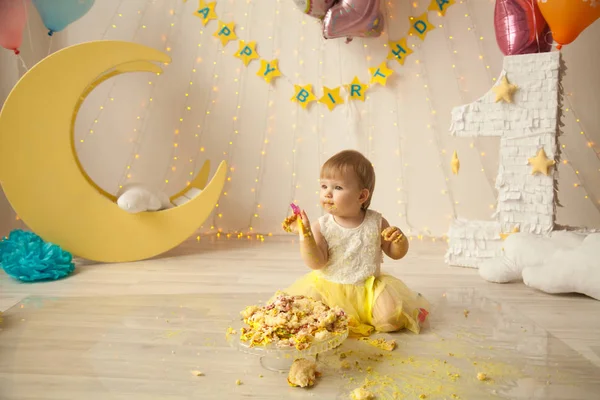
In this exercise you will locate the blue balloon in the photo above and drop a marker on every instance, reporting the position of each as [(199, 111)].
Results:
[(58, 14)]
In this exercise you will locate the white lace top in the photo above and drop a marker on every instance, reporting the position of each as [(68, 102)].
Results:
[(354, 253)]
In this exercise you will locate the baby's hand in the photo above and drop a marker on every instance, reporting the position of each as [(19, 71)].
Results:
[(290, 224), (392, 234)]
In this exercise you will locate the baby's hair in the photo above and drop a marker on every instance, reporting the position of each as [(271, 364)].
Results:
[(352, 160)]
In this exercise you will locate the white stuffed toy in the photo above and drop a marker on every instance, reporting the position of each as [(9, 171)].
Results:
[(564, 262), (137, 198)]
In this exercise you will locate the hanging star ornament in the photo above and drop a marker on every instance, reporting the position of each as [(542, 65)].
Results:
[(380, 74), (357, 90), (440, 6), (225, 33), (269, 70), (247, 52), (505, 90), (420, 26), (455, 163), (503, 236), (205, 11), (540, 163), (399, 50), (331, 97), (303, 95)]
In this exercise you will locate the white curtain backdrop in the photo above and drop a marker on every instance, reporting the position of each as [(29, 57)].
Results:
[(208, 105)]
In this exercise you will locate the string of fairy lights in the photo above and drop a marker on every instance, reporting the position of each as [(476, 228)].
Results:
[(478, 39), (567, 160), (267, 132), (321, 138), (433, 128), (475, 144), (370, 127), (296, 113), (210, 103), (139, 130), (401, 180), (236, 124), (185, 113), (109, 97)]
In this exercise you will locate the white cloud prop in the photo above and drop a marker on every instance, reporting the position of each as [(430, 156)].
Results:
[(564, 262)]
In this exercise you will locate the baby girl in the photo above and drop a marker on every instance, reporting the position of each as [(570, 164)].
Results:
[(344, 250)]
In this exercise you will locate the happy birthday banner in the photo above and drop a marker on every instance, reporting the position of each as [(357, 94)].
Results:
[(304, 95)]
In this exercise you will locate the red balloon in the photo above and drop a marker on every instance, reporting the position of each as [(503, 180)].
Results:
[(13, 18), (349, 18), (521, 28)]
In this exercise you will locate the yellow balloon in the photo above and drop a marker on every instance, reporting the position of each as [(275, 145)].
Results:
[(568, 18), (40, 171)]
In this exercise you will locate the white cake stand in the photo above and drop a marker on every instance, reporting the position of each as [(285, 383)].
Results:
[(280, 359)]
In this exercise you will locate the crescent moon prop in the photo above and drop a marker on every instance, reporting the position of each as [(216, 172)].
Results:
[(44, 181)]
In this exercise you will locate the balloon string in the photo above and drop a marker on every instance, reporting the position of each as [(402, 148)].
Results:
[(535, 27), (22, 62), (28, 28), (50, 45)]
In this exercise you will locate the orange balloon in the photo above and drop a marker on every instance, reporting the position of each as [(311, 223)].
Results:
[(568, 18)]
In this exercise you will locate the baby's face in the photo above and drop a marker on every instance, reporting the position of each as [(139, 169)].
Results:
[(341, 194)]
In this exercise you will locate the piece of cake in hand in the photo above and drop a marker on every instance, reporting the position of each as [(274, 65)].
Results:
[(303, 373)]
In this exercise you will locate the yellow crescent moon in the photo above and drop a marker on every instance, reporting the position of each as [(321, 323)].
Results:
[(40, 171)]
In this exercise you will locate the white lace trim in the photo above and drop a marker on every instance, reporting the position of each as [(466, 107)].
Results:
[(354, 253)]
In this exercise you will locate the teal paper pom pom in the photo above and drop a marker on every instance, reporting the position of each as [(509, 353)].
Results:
[(26, 257)]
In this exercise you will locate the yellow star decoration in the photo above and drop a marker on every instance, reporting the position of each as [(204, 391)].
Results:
[(399, 50), (269, 70), (380, 74), (357, 90), (420, 26), (503, 236), (540, 163), (331, 97), (440, 6), (455, 163), (504, 90), (225, 33), (206, 12), (303, 95), (247, 52)]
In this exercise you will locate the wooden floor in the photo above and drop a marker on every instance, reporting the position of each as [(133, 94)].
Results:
[(136, 330)]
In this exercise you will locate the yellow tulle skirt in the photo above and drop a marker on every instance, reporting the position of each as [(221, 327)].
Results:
[(383, 303)]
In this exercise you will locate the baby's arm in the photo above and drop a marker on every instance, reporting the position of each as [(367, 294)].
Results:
[(313, 245), (394, 243)]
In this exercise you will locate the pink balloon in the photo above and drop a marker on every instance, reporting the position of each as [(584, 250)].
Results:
[(13, 17), (315, 8), (349, 18), (521, 28)]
